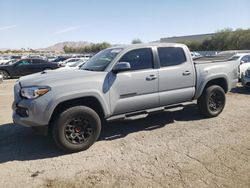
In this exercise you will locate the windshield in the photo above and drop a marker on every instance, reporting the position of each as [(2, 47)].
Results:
[(101, 60)]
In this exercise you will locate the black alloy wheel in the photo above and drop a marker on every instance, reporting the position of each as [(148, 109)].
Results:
[(78, 130), (216, 101), (212, 101)]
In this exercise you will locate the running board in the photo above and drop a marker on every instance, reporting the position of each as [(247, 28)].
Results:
[(174, 107), (145, 113)]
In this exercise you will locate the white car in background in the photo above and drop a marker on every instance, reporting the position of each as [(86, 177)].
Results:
[(9, 62), (51, 58), (245, 78), (72, 66), (4, 60), (243, 60), (70, 60), (195, 54), (1, 78), (76, 63)]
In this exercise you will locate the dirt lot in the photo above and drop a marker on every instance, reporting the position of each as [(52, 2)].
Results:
[(173, 149)]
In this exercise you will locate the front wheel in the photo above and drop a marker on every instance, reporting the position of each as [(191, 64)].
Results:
[(76, 129), (212, 101), (5, 74)]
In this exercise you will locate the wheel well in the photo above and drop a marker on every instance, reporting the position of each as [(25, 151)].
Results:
[(5, 71), (90, 102), (220, 82)]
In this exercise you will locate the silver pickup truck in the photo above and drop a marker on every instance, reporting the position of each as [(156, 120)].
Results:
[(124, 82)]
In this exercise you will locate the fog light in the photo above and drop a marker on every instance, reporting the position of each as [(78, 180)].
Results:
[(23, 112)]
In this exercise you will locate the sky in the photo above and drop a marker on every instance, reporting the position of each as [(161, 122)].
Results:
[(42, 23)]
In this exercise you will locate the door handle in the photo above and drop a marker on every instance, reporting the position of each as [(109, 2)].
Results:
[(186, 73), (151, 77)]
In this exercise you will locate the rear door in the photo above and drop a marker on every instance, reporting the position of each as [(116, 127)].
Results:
[(39, 65), (176, 76), (136, 89)]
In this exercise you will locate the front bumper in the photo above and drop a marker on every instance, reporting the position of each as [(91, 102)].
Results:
[(245, 81), (28, 112)]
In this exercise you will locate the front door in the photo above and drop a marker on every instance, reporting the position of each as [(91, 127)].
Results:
[(136, 89), (23, 67)]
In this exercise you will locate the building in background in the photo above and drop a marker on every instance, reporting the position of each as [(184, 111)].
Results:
[(189, 38)]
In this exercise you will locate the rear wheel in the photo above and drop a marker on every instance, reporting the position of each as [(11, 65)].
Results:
[(212, 101), (76, 129), (5, 74)]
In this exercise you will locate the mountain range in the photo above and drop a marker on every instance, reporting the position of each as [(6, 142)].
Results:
[(58, 47)]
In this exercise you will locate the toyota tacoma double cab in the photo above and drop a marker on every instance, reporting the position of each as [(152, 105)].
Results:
[(119, 83)]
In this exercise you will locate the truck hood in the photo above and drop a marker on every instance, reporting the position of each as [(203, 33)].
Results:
[(53, 77)]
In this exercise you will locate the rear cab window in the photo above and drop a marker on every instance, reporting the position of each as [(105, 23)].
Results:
[(171, 56)]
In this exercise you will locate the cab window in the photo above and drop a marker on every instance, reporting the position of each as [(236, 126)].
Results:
[(139, 59), (170, 56), (24, 62)]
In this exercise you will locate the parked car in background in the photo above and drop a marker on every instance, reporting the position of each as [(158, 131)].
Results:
[(15, 57), (243, 60), (24, 67), (75, 65), (1, 78), (51, 58), (9, 62), (195, 54), (58, 59), (86, 56), (70, 60), (245, 78), (4, 60)]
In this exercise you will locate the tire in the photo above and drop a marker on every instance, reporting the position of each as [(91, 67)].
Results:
[(5, 74), (76, 129), (212, 101)]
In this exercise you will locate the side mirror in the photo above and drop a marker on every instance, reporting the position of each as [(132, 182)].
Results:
[(121, 67), (241, 62)]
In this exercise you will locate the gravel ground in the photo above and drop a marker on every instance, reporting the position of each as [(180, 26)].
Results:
[(172, 149)]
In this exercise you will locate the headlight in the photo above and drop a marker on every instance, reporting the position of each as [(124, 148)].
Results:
[(33, 92)]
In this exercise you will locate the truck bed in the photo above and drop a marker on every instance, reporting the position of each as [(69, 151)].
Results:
[(208, 70)]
